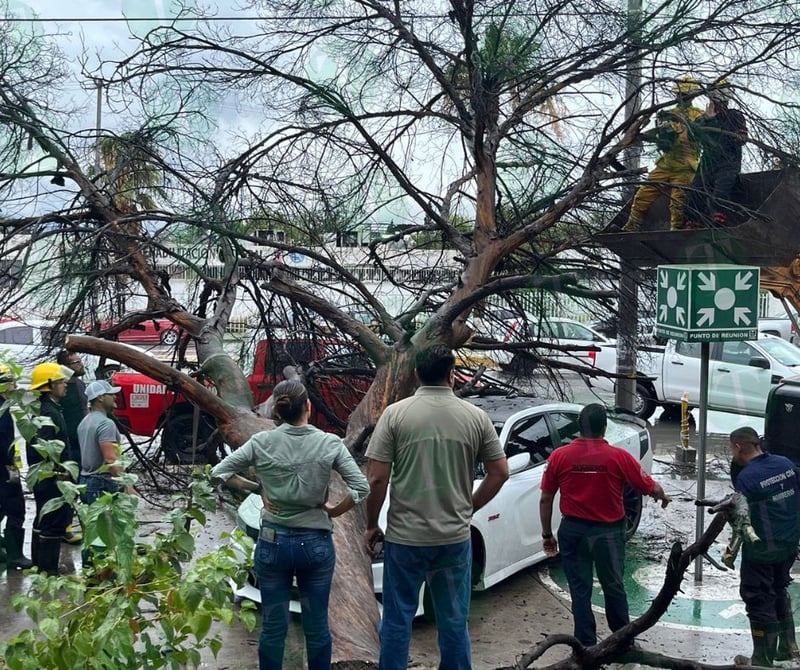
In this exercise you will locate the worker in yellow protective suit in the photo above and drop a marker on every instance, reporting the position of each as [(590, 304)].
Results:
[(675, 168)]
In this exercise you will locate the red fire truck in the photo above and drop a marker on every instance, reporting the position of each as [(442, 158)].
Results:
[(338, 376)]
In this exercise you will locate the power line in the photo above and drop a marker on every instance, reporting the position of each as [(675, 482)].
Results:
[(133, 19), (218, 19), (204, 19)]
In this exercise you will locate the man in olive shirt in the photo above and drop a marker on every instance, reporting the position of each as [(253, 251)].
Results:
[(429, 444)]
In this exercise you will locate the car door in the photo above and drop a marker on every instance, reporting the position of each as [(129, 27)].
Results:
[(734, 384), (681, 371), (510, 522)]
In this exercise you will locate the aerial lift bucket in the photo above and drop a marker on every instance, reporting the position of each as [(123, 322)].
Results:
[(763, 229)]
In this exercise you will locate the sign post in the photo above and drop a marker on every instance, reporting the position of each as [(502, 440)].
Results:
[(706, 303)]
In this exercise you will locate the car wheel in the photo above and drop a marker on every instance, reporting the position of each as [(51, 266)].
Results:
[(644, 404), (520, 366), (169, 337), (176, 439), (632, 501)]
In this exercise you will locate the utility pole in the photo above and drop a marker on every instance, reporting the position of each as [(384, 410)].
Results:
[(98, 124), (628, 301), (98, 120)]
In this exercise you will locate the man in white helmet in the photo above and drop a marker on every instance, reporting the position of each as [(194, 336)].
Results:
[(676, 166)]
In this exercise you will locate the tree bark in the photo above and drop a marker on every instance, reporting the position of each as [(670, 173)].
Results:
[(393, 381), (354, 614), (354, 609)]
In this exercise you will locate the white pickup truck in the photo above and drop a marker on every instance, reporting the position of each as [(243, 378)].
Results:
[(781, 326), (741, 374)]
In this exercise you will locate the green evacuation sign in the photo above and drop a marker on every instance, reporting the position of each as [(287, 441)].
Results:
[(705, 303)]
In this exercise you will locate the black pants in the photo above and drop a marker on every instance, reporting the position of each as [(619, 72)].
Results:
[(711, 192), (763, 590), (53, 524), (12, 504), (585, 545)]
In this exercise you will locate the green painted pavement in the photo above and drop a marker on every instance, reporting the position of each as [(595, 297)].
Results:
[(711, 606)]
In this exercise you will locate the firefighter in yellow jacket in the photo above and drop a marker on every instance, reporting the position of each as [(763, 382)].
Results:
[(675, 168)]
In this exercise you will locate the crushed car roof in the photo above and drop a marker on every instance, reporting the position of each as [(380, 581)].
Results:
[(500, 407)]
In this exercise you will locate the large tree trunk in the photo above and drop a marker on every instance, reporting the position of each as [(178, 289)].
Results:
[(354, 610), (394, 381)]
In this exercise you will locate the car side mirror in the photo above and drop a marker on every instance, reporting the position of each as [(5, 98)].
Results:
[(759, 362), (518, 462)]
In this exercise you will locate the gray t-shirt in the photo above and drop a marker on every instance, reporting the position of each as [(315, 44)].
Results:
[(432, 440), (93, 429)]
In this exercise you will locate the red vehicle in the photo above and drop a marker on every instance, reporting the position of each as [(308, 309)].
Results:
[(162, 331), (339, 375)]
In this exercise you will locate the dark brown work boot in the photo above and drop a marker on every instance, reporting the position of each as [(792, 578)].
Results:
[(632, 226), (14, 541)]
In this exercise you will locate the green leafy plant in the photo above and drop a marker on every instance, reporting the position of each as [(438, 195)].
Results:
[(140, 605), (136, 604)]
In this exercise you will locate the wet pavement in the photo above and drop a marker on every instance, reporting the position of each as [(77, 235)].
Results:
[(705, 623)]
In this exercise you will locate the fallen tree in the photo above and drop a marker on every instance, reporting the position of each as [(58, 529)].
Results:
[(497, 126)]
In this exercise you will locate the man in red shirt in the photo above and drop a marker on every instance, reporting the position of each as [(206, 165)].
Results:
[(592, 475)]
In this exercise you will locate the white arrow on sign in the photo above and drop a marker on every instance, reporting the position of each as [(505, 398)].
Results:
[(664, 313), (708, 282), (742, 282), (741, 314), (664, 281), (705, 315), (680, 316), (681, 281)]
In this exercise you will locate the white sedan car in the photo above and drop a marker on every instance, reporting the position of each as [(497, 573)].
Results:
[(556, 331), (506, 533)]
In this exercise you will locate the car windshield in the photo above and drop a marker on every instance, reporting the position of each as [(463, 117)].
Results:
[(783, 352)]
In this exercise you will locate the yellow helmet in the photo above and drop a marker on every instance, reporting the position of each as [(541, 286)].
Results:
[(720, 91), (686, 85), (6, 374), (45, 374)]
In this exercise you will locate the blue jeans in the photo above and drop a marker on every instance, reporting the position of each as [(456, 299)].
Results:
[(307, 555), (96, 486), (582, 545), (447, 570)]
